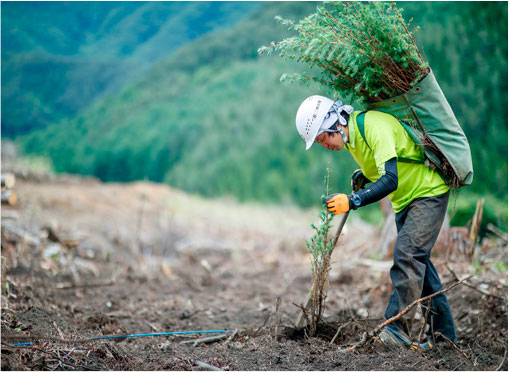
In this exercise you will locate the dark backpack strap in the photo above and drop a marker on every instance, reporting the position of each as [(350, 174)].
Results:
[(360, 125), (401, 159)]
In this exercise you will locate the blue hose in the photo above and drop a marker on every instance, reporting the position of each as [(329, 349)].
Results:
[(139, 335)]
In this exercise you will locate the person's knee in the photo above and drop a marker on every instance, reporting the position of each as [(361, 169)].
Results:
[(410, 261)]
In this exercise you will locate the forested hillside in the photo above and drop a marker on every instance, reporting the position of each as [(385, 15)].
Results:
[(58, 57), (214, 119)]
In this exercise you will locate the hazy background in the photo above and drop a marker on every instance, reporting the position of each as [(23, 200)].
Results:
[(176, 93)]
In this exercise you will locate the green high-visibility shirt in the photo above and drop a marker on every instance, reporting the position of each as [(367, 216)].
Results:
[(387, 139)]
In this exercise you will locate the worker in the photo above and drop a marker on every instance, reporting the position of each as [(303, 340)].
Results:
[(392, 165)]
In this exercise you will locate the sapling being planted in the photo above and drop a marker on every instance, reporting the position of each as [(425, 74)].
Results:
[(320, 247)]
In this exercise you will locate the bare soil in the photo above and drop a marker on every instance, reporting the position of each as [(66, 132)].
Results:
[(84, 259)]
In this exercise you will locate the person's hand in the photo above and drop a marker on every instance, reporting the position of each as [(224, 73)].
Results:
[(337, 203), (358, 180)]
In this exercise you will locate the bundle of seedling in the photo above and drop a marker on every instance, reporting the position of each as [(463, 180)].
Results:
[(361, 50), (368, 52)]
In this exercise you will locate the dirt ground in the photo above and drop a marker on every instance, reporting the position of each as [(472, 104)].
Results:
[(85, 259)]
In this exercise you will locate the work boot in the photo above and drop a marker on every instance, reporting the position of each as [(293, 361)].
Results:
[(428, 345), (393, 336)]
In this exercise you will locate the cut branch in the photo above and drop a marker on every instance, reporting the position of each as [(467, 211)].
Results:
[(369, 335), (207, 366), (453, 345), (474, 287), (205, 340), (339, 331)]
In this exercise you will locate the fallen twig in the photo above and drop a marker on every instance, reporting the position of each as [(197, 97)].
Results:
[(472, 286), (499, 368), (303, 318), (26, 236), (232, 336), (205, 340), (424, 323), (453, 345), (207, 366), (339, 331), (69, 285), (369, 335), (76, 366), (499, 233), (276, 328), (92, 339), (41, 337)]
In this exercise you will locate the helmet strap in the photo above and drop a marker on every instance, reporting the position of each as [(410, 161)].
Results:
[(338, 130), (336, 107), (345, 140)]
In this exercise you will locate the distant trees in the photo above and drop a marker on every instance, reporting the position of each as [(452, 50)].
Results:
[(58, 57), (215, 119)]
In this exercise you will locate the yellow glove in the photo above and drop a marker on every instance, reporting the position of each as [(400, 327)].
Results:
[(337, 203)]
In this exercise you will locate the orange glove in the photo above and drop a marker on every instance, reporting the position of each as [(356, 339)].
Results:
[(338, 203)]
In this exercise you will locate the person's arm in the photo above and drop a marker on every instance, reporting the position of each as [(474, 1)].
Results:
[(378, 190), (387, 183)]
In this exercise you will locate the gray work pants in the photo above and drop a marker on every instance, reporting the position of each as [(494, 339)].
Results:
[(413, 275)]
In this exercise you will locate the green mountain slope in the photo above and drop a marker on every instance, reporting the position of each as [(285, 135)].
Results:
[(58, 57), (214, 119), (179, 114)]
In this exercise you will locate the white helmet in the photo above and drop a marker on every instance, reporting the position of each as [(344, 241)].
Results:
[(310, 117)]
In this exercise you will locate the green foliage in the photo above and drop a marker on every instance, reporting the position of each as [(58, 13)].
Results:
[(372, 214), (364, 49), (36, 163), (320, 246), (190, 128), (478, 270), (214, 119), (462, 208), (58, 57), (500, 266)]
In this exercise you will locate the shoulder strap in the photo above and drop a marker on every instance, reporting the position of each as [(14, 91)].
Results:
[(360, 125)]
